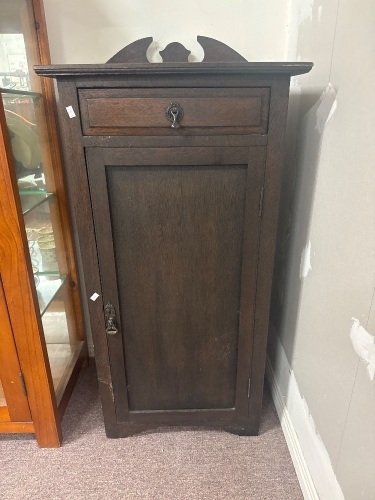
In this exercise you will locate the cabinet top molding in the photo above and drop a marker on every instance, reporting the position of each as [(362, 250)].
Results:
[(218, 59)]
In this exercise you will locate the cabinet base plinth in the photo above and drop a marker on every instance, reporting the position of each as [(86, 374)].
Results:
[(127, 429)]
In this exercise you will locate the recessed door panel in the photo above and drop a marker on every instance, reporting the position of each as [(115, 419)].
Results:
[(178, 236), (177, 243)]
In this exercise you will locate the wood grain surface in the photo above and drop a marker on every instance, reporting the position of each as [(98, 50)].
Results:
[(178, 237), (10, 370), (170, 242), (208, 111), (207, 69), (183, 233)]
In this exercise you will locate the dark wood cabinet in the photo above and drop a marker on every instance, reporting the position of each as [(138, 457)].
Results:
[(174, 171)]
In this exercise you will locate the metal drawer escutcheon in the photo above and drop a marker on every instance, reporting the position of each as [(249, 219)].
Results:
[(110, 319), (175, 114)]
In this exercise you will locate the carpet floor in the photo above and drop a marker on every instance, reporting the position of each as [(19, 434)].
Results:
[(162, 465)]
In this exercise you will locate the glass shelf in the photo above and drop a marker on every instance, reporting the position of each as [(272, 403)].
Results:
[(33, 199), (33, 191), (7, 93), (47, 288), (41, 234)]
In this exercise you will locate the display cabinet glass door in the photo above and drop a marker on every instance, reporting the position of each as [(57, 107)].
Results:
[(25, 115)]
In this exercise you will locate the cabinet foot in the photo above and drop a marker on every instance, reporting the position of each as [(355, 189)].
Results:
[(242, 431)]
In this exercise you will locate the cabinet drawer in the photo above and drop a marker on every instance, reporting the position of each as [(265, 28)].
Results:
[(143, 111)]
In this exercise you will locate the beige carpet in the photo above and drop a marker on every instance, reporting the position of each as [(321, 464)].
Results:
[(166, 465)]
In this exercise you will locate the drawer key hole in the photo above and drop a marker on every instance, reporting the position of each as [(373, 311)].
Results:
[(110, 319), (175, 114)]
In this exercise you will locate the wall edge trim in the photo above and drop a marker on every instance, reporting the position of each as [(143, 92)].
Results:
[(295, 450)]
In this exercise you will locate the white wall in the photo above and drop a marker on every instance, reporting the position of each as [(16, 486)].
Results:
[(91, 31), (333, 211), (326, 387)]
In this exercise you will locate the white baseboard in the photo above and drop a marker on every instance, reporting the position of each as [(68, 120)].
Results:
[(300, 465), (310, 457)]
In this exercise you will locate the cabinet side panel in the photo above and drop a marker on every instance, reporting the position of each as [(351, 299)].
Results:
[(272, 181), (178, 236), (80, 206)]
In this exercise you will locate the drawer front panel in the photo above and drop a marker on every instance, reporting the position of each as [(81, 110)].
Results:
[(143, 112)]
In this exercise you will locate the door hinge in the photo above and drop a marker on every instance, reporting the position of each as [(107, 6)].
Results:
[(248, 388), (23, 384), (261, 202)]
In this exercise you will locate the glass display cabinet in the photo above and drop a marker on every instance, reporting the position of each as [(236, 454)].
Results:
[(42, 344)]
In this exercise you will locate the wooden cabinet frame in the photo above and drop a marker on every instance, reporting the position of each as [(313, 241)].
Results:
[(18, 295), (87, 132)]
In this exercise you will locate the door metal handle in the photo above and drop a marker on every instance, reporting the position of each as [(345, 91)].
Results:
[(175, 113), (110, 319)]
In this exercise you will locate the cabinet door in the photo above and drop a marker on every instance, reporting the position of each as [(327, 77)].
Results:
[(177, 237), (13, 401)]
